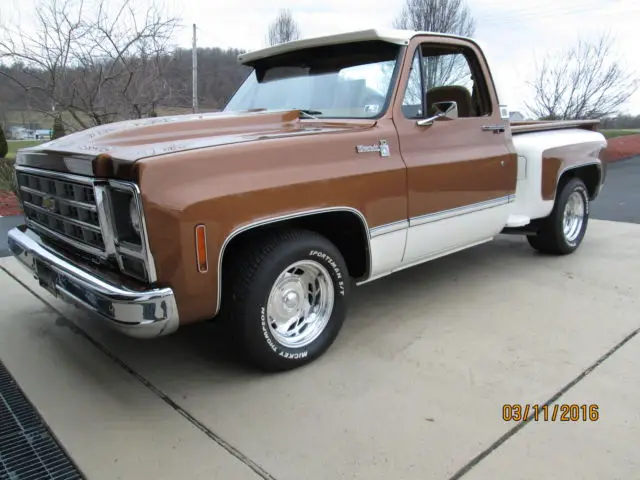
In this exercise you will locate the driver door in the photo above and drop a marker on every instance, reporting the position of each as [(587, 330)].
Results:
[(461, 173)]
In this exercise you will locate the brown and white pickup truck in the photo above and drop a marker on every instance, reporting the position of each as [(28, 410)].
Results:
[(340, 160)]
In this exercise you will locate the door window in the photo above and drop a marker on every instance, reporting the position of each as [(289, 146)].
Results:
[(442, 73)]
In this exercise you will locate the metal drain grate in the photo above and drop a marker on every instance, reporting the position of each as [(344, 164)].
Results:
[(28, 450)]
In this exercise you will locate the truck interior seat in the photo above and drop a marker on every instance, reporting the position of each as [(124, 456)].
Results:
[(454, 93)]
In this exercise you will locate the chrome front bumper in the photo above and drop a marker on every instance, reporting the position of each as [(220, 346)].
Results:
[(136, 313)]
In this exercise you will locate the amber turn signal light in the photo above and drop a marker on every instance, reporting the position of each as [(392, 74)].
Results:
[(201, 248)]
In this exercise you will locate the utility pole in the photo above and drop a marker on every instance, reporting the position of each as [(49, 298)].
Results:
[(195, 71)]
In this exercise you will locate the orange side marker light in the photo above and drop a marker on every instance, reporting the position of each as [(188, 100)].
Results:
[(201, 248)]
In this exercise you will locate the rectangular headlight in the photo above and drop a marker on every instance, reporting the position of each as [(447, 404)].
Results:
[(129, 231)]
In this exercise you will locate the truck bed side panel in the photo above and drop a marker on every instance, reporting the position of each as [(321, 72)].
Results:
[(543, 157), (556, 160)]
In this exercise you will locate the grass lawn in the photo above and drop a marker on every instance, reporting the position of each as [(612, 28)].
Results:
[(619, 133), (15, 145)]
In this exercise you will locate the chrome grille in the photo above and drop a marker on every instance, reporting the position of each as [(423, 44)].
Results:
[(61, 207), (88, 217)]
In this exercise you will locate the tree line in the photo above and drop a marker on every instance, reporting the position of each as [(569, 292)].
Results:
[(93, 63), (219, 75)]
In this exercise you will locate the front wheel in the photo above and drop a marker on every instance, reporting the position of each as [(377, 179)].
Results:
[(289, 299), (563, 231)]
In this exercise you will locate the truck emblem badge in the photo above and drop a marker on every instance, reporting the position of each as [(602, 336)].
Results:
[(382, 147), (49, 203)]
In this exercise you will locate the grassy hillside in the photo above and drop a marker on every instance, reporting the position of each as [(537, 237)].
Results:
[(619, 133), (15, 145)]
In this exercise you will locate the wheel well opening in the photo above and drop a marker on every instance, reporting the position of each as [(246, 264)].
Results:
[(589, 174), (344, 229), (347, 232)]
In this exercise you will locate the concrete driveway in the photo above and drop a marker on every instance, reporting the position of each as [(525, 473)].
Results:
[(413, 388)]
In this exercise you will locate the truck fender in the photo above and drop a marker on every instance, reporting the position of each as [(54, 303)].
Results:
[(308, 219)]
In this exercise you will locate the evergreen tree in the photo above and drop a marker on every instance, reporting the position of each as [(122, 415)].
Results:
[(58, 128), (4, 147)]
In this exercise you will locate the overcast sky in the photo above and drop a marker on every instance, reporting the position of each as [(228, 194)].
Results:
[(513, 31)]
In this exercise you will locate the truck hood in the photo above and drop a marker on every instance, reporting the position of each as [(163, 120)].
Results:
[(110, 150)]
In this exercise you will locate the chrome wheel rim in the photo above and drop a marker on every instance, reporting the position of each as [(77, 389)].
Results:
[(300, 304), (573, 217)]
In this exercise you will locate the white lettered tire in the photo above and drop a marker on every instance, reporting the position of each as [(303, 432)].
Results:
[(563, 231), (288, 298)]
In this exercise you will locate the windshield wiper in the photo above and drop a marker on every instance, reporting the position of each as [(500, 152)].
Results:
[(310, 113)]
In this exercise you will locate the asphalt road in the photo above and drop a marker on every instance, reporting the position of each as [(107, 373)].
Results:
[(619, 201), (620, 197)]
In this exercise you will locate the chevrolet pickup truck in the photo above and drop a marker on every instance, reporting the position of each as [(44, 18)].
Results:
[(340, 160)]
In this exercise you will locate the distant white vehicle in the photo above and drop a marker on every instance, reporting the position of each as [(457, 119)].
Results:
[(42, 134), (18, 133), (21, 133), (26, 135)]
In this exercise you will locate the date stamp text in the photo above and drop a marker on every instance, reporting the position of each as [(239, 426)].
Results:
[(563, 412)]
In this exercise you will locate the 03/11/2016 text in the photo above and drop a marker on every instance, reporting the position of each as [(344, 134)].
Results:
[(564, 412)]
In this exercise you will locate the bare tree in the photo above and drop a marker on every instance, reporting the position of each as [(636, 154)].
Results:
[(97, 61), (582, 82), (439, 16), (283, 29)]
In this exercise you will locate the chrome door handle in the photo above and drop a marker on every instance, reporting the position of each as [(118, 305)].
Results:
[(494, 128)]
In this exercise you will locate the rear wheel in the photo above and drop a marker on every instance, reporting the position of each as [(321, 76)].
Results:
[(563, 231), (288, 299)]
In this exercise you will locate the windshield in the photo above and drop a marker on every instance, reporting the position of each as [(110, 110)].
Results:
[(337, 81)]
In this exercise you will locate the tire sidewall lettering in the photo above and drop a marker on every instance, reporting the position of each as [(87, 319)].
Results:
[(265, 329), (273, 345), (293, 356), (333, 266)]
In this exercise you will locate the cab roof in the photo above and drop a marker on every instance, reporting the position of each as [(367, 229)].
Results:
[(398, 37)]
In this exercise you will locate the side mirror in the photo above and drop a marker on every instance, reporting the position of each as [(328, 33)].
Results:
[(446, 111)]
